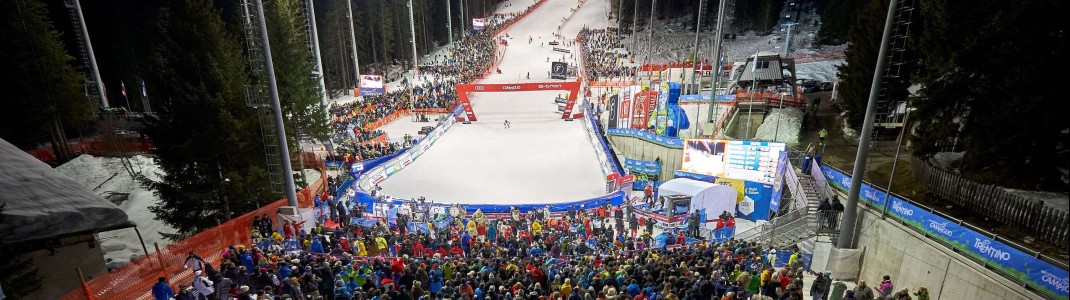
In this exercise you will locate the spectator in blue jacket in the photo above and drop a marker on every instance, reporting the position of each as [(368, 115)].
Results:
[(162, 291)]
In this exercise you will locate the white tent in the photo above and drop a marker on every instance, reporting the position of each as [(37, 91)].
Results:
[(704, 195)]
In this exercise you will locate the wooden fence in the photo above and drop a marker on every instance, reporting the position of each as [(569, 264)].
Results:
[(1029, 216)]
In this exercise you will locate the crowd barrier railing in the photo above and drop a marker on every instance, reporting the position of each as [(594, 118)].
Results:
[(1034, 270), (135, 280)]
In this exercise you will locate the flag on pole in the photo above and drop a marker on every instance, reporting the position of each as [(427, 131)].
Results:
[(122, 86), (144, 93)]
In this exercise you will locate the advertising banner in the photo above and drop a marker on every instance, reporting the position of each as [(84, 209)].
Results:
[(371, 85), (758, 193), (1040, 275), (624, 109), (478, 24), (611, 109), (649, 137), (644, 104), (558, 70), (642, 166)]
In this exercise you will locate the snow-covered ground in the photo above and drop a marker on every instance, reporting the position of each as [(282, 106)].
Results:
[(790, 123), (819, 70), (106, 175), (540, 159), (398, 129)]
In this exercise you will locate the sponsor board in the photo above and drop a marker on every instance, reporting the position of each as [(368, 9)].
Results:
[(371, 85), (1040, 275)]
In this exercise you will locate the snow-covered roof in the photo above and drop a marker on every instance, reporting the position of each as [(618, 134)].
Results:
[(683, 186), (44, 204)]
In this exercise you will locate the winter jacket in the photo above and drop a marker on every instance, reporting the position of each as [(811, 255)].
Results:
[(161, 291)]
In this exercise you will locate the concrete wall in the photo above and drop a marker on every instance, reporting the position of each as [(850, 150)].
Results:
[(636, 148), (57, 268), (913, 260)]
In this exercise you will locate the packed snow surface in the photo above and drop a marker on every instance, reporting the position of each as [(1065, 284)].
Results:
[(540, 159), (790, 123), (106, 176), (819, 70)]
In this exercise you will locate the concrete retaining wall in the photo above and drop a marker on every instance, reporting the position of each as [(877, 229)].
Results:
[(913, 260), (636, 148)]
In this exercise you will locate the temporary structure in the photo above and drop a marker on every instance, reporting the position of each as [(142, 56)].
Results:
[(715, 199)]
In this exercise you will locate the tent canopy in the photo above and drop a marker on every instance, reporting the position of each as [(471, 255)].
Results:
[(42, 204), (683, 186), (714, 199)]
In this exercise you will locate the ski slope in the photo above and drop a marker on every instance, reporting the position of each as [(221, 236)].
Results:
[(541, 159)]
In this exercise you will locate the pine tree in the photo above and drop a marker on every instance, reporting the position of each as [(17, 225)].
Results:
[(991, 86), (386, 31), (20, 277), (836, 19), (42, 91), (298, 90), (207, 141), (856, 75)]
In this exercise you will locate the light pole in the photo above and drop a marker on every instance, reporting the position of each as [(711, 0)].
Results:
[(415, 62), (850, 212), (319, 60), (94, 71), (353, 45), (694, 55), (280, 128), (898, 146), (650, 41), (449, 21), (635, 26), (719, 39)]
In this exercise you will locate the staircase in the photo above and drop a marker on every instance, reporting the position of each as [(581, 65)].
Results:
[(800, 223), (256, 94), (889, 113)]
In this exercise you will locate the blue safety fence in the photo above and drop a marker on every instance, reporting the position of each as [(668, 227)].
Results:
[(592, 120), (1037, 274)]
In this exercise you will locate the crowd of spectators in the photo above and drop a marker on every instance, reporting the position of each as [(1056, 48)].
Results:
[(465, 61), (575, 255), (600, 60)]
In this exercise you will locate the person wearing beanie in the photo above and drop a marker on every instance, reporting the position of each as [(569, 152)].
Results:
[(162, 291)]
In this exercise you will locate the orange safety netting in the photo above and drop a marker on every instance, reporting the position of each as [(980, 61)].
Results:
[(135, 280)]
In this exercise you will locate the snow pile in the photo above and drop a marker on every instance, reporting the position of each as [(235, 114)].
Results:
[(107, 177), (1059, 201), (790, 124), (824, 71), (946, 160), (311, 175)]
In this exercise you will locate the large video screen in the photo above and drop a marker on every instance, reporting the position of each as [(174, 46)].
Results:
[(745, 160)]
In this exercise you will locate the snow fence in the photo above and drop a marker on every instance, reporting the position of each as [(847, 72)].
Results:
[(135, 280)]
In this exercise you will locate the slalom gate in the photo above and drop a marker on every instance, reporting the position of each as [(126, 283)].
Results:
[(377, 170), (135, 280)]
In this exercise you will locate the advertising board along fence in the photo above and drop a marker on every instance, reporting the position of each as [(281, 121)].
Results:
[(1032, 269)]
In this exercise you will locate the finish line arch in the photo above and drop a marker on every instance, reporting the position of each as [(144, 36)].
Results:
[(573, 87)]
